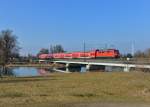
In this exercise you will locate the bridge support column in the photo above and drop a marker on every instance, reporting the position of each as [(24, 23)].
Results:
[(67, 67), (88, 67), (126, 69), (55, 63)]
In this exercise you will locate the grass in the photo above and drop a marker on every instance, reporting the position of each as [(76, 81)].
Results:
[(61, 89)]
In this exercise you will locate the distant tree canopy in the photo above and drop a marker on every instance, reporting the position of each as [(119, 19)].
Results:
[(143, 54), (56, 49), (8, 46), (43, 51), (129, 55)]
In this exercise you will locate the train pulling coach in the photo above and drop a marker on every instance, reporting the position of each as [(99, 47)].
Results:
[(109, 53)]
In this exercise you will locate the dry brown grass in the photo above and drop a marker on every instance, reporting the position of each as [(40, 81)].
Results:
[(75, 88)]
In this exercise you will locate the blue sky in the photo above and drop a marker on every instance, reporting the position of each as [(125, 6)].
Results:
[(39, 23)]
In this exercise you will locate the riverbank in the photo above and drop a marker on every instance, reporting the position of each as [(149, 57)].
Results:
[(62, 90)]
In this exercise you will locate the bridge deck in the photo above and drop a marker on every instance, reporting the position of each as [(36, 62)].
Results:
[(117, 64)]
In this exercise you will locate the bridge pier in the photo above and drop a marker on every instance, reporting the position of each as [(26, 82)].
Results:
[(88, 66), (67, 67), (54, 63), (126, 69), (118, 69)]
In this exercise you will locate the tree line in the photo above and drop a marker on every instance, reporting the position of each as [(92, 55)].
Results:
[(142, 54), (53, 49), (9, 49)]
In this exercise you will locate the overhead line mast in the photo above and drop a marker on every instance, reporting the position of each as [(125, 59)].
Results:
[(132, 49)]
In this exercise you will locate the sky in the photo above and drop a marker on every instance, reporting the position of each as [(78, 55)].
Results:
[(99, 23)]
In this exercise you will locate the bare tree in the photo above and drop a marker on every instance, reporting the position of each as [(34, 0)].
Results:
[(139, 54), (43, 51), (143, 54), (56, 49), (147, 53), (8, 46)]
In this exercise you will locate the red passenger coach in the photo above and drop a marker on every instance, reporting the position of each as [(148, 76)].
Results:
[(109, 53), (58, 55), (43, 56), (76, 55), (68, 55), (84, 55)]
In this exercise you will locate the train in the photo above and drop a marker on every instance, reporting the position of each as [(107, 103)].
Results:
[(108, 53)]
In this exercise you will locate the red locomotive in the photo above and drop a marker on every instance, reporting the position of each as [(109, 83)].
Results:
[(109, 53)]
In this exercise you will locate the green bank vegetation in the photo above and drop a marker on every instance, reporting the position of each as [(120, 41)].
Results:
[(57, 89)]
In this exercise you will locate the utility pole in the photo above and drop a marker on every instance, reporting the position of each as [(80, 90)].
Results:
[(51, 51), (106, 46), (132, 49), (84, 50)]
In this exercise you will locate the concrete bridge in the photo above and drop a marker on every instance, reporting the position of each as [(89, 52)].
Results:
[(126, 67)]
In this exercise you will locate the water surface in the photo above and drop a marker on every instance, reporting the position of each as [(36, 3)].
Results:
[(26, 71)]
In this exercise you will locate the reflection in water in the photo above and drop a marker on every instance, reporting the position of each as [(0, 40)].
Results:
[(33, 71), (6, 71), (25, 71)]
